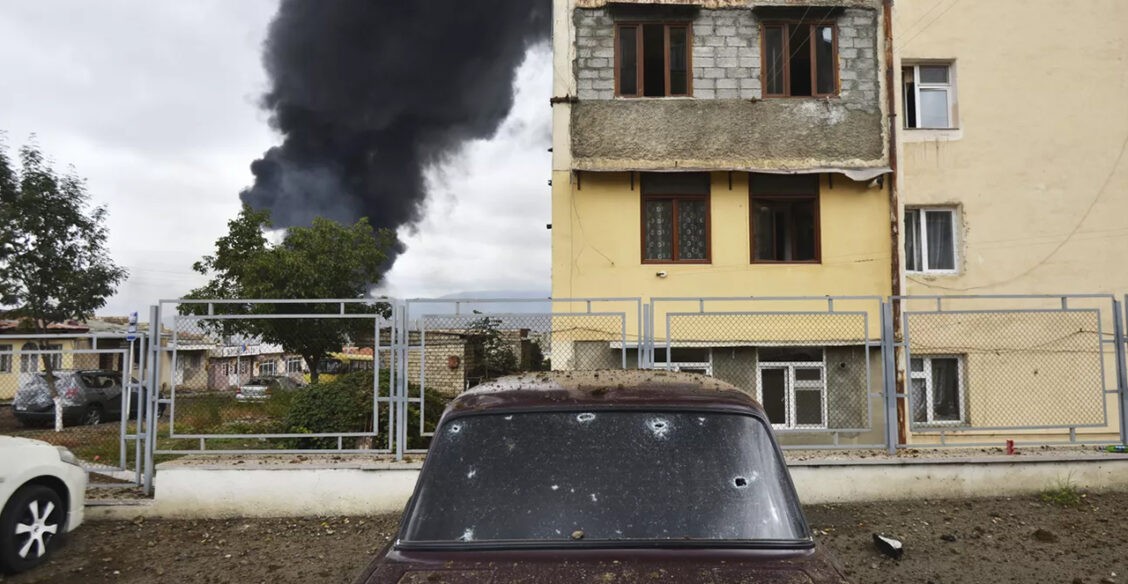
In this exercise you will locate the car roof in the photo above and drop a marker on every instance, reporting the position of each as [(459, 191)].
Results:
[(626, 389)]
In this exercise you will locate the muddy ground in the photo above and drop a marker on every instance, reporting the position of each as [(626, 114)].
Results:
[(957, 541)]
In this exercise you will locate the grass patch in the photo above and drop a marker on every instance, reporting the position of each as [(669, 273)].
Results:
[(1063, 493)]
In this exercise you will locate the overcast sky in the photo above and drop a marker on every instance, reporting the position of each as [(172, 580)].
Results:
[(154, 102)]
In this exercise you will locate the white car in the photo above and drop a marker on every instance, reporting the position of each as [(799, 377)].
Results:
[(42, 490)]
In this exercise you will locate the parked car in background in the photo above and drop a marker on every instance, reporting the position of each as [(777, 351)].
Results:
[(42, 492), (90, 396), (624, 476), (263, 386)]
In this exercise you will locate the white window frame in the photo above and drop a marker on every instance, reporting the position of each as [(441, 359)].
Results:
[(926, 375), (793, 384), (922, 230), (6, 354), (269, 367), (293, 365), (948, 88), (705, 367)]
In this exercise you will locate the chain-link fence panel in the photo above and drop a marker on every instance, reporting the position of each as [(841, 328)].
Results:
[(453, 345), (1035, 369), (814, 364), (95, 379), (277, 376)]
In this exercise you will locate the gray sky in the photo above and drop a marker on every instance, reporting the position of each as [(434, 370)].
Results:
[(154, 102)]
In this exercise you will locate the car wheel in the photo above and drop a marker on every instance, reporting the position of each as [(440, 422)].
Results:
[(29, 526), (92, 416)]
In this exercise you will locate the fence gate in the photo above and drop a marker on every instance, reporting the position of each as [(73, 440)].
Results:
[(98, 377)]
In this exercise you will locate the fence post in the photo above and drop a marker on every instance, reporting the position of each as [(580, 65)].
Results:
[(889, 376), (148, 414), (1119, 317), (399, 327)]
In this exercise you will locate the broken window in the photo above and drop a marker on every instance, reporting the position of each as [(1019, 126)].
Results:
[(791, 386), (929, 97), (800, 59), (785, 218), (930, 239), (652, 59), (675, 218), (550, 477), (937, 389)]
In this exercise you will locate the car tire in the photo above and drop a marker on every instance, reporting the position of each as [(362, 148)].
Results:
[(31, 525), (92, 416)]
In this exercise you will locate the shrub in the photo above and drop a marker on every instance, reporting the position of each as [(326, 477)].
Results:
[(344, 405)]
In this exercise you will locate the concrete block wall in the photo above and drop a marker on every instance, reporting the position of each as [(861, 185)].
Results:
[(726, 55)]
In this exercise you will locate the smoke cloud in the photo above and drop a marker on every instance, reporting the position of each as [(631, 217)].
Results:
[(368, 93)]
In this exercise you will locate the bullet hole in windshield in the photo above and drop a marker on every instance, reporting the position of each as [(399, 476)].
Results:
[(585, 417), (455, 428), (467, 535), (740, 482), (659, 426)]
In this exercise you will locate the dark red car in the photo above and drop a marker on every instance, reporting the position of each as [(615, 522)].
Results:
[(621, 477)]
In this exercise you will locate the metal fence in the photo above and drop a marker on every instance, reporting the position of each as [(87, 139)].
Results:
[(97, 378), (373, 376)]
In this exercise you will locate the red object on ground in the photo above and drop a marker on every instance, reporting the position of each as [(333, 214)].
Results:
[(1010, 446)]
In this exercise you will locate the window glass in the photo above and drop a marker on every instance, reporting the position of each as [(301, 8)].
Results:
[(945, 389), (692, 221), (919, 398), (628, 60), (933, 73), (785, 230), (824, 59), (659, 235), (934, 108), (789, 354), (654, 60), (808, 374), (679, 53), (912, 241), (941, 243), (808, 407), (799, 59), (774, 62), (5, 358)]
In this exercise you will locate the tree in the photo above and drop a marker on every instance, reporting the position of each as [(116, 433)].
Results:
[(53, 262), (488, 353), (324, 260)]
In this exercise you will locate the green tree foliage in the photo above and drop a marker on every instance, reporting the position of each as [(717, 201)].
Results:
[(324, 260), (54, 265), (488, 354)]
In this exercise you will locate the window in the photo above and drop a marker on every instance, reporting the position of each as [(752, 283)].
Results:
[(791, 385), (785, 218), (800, 59), (937, 389), (930, 240), (675, 218), (652, 59), (293, 365), (5, 358), (691, 360), (29, 360), (268, 368), (929, 96)]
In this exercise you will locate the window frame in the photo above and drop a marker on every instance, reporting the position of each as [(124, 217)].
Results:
[(949, 89), (953, 213), (269, 364), (7, 352), (753, 197), (792, 385), (297, 362), (707, 198), (787, 24), (639, 69), (926, 374)]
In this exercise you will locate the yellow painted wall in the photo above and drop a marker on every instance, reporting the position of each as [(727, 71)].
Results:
[(10, 375), (596, 245), (1038, 164)]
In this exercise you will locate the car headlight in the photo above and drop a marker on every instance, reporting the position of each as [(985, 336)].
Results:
[(67, 456)]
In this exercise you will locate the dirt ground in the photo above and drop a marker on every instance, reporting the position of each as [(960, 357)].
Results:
[(956, 541)]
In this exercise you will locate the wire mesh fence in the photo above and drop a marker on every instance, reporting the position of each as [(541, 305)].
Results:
[(1034, 368), (813, 363), (95, 379)]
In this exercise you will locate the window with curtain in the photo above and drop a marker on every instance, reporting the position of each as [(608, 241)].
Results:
[(930, 239), (928, 93), (675, 218), (937, 389)]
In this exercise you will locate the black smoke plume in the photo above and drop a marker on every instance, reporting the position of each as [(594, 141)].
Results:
[(367, 93)]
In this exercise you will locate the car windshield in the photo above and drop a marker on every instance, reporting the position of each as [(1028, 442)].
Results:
[(609, 476)]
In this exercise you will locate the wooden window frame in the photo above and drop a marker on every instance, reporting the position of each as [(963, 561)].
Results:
[(752, 198), (676, 229), (787, 24), (640, 76)]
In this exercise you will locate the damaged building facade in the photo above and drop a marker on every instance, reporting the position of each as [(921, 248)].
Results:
[(730, 149), (851, 148)]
